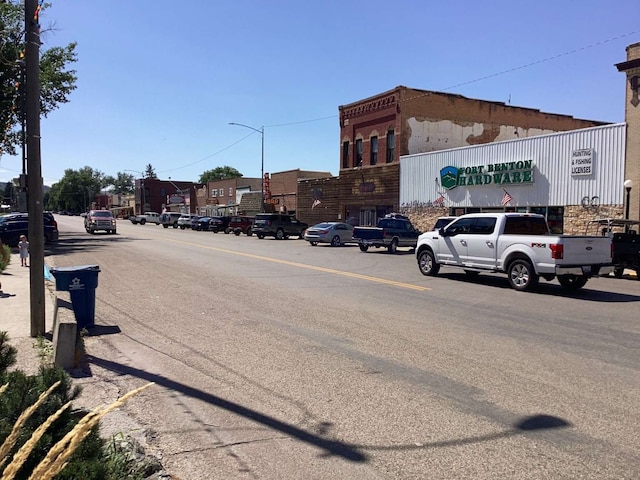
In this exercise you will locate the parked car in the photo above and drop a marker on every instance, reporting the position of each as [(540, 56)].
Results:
[(219, 224), (194, 221), (15, 224), (150, 217), (185, 220), (335, 233), (278, 225), (170, 219), (201, 223), (241, 224), (392, 231)]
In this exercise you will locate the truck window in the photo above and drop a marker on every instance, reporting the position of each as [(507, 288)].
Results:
[(483, 226), (526, 226)]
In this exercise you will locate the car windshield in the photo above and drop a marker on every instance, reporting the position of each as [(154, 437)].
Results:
[(101, 213)]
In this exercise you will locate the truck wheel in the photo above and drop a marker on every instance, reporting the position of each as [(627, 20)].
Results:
[(427, 263), (165, 225), (249, 232), (363, 247), (260, 236), (335, 241), (393, 246), (175, 225), (572, 282), (313, 244), (521, 275), (143, 221), (280, 234)]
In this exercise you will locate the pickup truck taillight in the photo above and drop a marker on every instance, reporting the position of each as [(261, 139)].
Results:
[(557, 251)]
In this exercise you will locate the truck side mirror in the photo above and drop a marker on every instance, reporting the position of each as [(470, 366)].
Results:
[(443, 233)]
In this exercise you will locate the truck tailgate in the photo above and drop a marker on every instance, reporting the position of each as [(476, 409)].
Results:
[(580, 250)]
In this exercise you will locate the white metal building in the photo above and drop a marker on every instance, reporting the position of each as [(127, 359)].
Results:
[(543, 174)]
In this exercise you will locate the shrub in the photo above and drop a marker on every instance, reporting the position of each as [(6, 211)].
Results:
[(66, 430), (5, 256)]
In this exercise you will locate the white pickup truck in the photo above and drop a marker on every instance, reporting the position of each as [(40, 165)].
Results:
[(518, 244), (146, 217)]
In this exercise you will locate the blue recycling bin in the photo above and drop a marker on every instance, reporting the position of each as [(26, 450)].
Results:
[(81, 283)]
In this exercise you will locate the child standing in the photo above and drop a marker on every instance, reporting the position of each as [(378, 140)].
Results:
[(23, 248)]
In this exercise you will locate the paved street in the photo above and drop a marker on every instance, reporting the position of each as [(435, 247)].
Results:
[(274, 359)]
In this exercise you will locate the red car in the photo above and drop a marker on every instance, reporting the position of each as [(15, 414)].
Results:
[(241, 224)]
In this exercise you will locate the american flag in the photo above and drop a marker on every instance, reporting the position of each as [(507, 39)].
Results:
[(506, 198), (315, 203), (439, 201)]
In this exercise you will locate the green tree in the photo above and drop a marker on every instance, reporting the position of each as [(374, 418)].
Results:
[(149, 172), (219, 173), (123, 183), (57, 81), (76, 189)]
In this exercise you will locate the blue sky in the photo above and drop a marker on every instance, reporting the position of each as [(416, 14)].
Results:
[(159, 81)]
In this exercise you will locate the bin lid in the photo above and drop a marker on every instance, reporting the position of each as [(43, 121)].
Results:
[(79, 268)]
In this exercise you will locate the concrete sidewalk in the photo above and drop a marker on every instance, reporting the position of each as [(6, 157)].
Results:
[(15, 313)]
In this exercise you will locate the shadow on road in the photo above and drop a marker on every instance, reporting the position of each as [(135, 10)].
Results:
[(544, 288), (331, 447)]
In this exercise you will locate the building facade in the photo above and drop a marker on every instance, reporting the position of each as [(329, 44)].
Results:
[(155, 195), (377, 131), (631, 68)]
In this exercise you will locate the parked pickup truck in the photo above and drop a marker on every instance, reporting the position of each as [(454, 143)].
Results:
[(393, 231), (625, 242), (146, 217), (517, 244)]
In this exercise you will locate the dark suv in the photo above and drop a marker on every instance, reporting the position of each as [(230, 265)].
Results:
[(240, 224), (16, 224), (278, 225), (219, 224)]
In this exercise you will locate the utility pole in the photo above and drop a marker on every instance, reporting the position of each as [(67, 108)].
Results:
[(34, 167)]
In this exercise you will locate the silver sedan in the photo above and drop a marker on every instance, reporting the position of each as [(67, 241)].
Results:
[(335, 233)]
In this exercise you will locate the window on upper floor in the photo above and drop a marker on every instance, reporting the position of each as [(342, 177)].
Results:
[(345, 154), (374, 151), (214, 192), (391, 145), (358, 159), (231, 191)]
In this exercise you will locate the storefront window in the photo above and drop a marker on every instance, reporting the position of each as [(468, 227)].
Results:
[(555, 219)]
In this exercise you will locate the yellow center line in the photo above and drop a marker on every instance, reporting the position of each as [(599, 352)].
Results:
[(306, 266)]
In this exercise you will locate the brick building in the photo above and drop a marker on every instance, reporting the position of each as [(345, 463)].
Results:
[(376, 131), (155, 195), (631, 68)]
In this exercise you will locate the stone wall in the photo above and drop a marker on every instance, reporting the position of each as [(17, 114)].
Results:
[(576, 217)]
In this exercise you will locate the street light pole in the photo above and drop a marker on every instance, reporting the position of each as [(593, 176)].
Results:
[(628, 184), (261, 132)]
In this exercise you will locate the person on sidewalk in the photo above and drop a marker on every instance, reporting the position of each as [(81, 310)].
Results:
[(23, 248)]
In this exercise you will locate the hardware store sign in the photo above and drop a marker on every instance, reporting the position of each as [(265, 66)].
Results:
[(507, 173)]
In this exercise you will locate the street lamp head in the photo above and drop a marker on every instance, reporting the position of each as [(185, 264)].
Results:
[(628, 184)]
